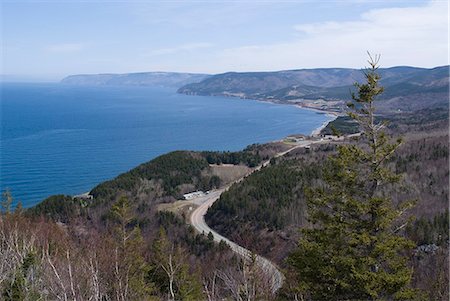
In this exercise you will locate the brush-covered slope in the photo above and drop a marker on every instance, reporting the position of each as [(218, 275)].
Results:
[(405, 86)]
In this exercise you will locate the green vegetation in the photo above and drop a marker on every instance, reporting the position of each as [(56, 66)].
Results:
[(170, 171), (59, 208), (346, 198), (262, 211), (248, 157), (42, 260), (421, 120), (353, 250), (422, 161), (171, 271), (108, 239), (344, 125), (263, 199), (408, 89), (197, 244), (131, 270), (17, 288), (426, 231)]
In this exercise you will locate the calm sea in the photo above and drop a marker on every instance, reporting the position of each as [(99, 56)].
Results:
[(58, 139)]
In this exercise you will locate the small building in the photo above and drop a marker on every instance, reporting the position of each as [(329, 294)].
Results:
[(193, 195)]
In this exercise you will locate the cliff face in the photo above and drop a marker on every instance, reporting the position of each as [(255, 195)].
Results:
[(161, 79)]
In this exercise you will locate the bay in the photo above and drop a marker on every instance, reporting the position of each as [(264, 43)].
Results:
[(59, 139)]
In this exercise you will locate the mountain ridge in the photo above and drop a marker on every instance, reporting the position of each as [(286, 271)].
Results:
[(406, 88), (157, 78), (332, 86)]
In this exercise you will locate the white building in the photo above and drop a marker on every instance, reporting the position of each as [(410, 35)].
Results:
[(193, 195)]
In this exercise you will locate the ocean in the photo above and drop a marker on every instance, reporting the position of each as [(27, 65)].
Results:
[(59, 139)]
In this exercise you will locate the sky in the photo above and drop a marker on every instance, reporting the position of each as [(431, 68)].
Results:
[(47, 40)]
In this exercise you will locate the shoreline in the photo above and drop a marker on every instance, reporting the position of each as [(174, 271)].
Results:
[(332, 115), (327, 112), (316, 132)]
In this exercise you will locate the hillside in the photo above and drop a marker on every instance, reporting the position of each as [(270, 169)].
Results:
[(123, 229), (162, 79), (162, 180), (415, 88), (264, 212), (136, 226)]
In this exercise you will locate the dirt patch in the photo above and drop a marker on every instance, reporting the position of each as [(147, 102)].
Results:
[(228, 172), (182, 209), (272, 148)]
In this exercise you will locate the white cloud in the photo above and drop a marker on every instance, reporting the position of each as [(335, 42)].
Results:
[(65, 47), (416, 36)]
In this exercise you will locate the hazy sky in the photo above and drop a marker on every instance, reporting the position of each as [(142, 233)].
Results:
[(50, 39)]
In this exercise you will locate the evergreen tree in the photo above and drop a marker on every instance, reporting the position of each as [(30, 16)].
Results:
[(172, 273), (353, 250), (6, 201), (19, 288), (130, 267)]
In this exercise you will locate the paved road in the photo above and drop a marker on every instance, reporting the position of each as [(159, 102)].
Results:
[(197, 220)]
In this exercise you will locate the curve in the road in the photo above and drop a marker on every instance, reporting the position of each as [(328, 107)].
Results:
[(197, 220)]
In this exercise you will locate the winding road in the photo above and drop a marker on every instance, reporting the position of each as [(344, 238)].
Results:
[(197, 220)]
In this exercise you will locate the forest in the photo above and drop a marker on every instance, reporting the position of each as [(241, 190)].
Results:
[(119, 246), (365, 218), (65, 247)]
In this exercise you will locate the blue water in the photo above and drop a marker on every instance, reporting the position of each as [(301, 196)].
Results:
[(66, 139)]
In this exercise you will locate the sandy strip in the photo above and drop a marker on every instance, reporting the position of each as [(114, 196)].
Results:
[(316, 132)]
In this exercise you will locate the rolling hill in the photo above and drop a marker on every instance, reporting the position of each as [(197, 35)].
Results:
[(409, 88), (162, 79)]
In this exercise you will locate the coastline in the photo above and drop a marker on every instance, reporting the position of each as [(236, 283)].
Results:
[(84, 193), (316, 132), (331, 114), (327, 112)]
